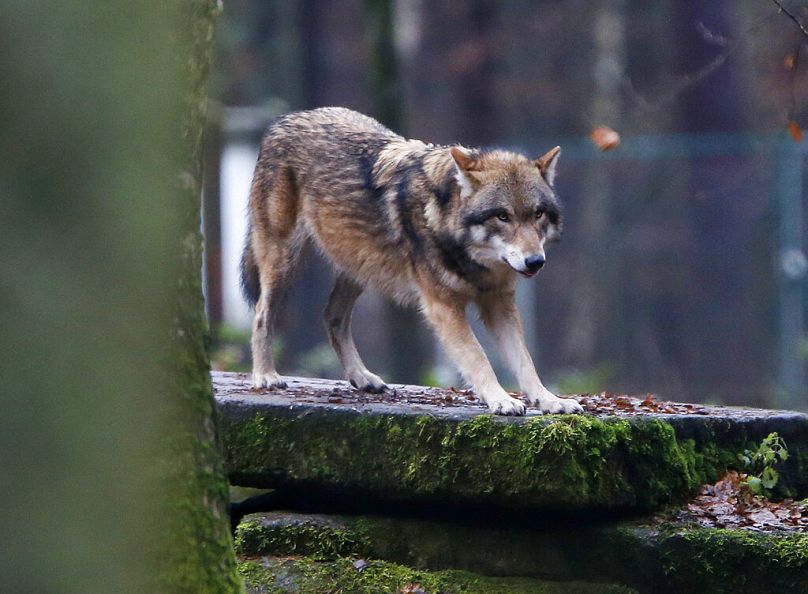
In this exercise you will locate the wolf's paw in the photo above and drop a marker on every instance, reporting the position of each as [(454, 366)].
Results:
[(268, 380), (552, 404), (505, 405), (366, 381), (565, 406)]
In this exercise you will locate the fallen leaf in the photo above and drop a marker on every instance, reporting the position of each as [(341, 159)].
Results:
[(790, 61), (360, 564), (605, 138), (762, 516), (795, 131), (722, 509), (729, 503)]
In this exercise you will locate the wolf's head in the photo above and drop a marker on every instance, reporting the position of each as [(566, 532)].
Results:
[(509, 208)]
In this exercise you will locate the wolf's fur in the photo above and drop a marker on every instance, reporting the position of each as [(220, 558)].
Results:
[(421, 223)]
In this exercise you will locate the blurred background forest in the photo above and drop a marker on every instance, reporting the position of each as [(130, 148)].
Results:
[(681, 270)]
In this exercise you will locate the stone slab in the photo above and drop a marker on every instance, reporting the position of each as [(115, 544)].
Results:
[(276, 575), (653, 558), (435, 445)]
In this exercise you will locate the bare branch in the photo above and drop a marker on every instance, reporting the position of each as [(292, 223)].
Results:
[(710, 36), (681, 84), (792, 17)]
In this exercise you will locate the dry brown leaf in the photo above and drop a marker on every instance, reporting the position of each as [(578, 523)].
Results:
[(762, 516), (605, 138), (729, 503), (795, 131), (790, 61)]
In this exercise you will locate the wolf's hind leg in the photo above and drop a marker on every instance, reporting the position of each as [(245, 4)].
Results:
[(338, 324), (274, 276), (276, 239)]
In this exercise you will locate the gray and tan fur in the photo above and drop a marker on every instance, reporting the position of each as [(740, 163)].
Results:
[(432, 226)]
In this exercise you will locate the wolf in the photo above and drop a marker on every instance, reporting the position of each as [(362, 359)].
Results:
[(437, 227)]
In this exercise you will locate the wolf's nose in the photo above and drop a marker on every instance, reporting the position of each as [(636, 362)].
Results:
[(534, 263)]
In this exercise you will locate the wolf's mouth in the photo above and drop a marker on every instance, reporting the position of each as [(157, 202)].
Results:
[(525, 273)]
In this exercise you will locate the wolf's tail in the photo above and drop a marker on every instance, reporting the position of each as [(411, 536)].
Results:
[(250, 279)]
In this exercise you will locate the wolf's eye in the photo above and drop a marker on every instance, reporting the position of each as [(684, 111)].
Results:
[(503, 216), (539, 214)]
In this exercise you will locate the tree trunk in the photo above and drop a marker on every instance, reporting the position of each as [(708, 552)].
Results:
[(116, 483), (197, 555)]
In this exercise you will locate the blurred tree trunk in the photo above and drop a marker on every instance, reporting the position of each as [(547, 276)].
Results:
[(475, 58), (596, 273), (197, 553), (116, 481), (404, 326)]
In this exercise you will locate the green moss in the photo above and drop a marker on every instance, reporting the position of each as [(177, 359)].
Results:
[(317, 540), (733, 561), (569, 462), (305, 575), (271, 576), (667, 558)]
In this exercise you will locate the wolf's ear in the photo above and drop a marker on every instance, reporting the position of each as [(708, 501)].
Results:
[(547, 164), (465, 164), (465, 161)]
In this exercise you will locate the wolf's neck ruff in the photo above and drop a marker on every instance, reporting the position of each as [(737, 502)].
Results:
[(455, 257), (419, 183)]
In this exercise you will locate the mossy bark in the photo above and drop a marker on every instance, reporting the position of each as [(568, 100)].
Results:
[(198, 554), (115, 482)]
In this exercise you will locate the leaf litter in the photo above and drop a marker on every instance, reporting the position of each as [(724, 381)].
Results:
[(729, 503), (604, 403)]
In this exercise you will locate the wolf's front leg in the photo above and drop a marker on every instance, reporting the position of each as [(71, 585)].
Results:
[(455, 333), (502, 319)]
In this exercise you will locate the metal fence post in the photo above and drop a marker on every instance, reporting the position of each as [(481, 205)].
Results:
[(792, 268)]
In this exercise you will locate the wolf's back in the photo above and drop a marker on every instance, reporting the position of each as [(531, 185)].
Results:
[(290, 143)]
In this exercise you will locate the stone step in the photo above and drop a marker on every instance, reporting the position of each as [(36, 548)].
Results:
[(434, 445), (653, 558), (269, 575)]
